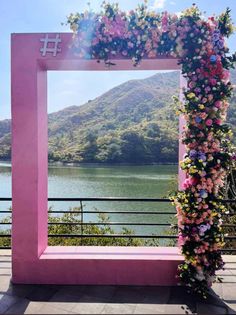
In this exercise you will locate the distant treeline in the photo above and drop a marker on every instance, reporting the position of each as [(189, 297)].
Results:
[(147, 145)]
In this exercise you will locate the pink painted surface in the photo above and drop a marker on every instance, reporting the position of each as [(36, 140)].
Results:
[(111, 252), (33, 261), (104, 265)]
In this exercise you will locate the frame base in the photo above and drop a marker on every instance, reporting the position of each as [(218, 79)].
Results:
[(100, 265)]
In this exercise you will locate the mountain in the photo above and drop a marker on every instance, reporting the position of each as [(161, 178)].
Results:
[(132, 123)]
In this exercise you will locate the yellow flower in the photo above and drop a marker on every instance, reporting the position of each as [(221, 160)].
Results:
[(201, 106), (187, 160), (193, 170), (191, 95)]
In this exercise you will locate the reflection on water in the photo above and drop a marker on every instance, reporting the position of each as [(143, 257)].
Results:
[(149, 181)]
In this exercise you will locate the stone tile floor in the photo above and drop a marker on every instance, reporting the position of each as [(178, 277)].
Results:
[(54, 299)]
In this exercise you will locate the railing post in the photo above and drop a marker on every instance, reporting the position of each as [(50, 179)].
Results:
[(82, 221)]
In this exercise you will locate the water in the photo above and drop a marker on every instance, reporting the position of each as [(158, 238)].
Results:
[(149, 181)]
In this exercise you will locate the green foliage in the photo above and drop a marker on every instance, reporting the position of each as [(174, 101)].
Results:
[(5, 241), (226, 26)]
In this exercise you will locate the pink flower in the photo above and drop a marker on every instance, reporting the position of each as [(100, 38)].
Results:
[(190, 181), (226, 75), (186, 184), (209, 122), (218, 122), (213, 81), (164, 21), (192, 84), (180, 240), (218, 104), (164, 28), (210, 97)]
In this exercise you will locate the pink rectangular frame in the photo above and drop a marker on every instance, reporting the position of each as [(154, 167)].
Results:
[(33, 260)]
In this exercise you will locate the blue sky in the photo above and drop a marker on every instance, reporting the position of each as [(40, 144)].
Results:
[(75, 88)]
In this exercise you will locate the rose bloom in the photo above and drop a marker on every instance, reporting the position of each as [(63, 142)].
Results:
[(218, 104), (209, 122), (212, 81)]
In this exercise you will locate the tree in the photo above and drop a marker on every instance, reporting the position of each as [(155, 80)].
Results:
[(133, 147), (90, 148)]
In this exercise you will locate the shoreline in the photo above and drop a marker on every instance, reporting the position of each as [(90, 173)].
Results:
[(65, 164)]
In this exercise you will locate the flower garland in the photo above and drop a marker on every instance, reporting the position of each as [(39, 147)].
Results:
[(199, 45)]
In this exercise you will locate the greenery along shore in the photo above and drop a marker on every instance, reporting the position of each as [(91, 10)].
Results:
[(134, 122)]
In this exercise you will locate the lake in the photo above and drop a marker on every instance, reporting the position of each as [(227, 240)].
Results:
[(145, 181)]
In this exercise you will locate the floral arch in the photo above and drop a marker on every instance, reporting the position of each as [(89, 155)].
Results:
[(199, 45)]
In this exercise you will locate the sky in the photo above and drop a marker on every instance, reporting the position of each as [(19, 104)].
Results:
[(76, 88)]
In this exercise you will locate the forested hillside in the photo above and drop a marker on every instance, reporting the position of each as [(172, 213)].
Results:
[(132, 123)]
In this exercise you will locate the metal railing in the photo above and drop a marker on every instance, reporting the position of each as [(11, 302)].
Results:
[(83, 224)]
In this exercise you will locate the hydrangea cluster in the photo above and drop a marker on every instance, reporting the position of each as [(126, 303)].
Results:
[(199, 45)]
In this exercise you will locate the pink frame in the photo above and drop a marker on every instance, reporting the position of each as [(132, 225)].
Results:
[(33, 260)]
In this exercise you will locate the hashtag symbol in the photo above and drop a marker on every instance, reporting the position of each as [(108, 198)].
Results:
[(53, 47)]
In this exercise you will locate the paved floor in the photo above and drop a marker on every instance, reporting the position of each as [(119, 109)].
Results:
[(51, 299)]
